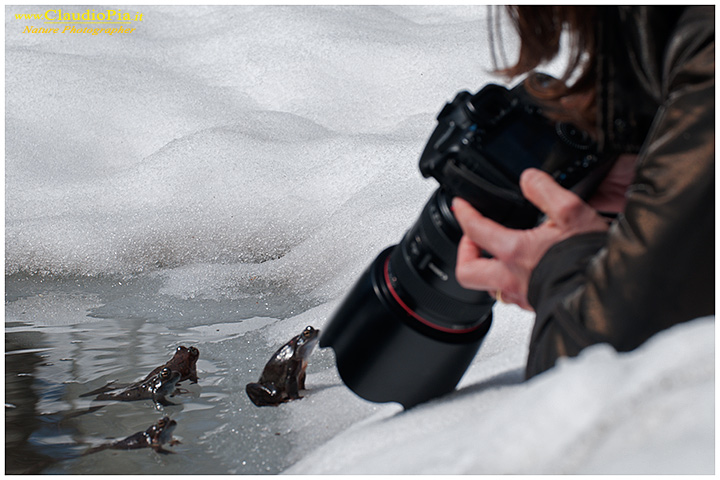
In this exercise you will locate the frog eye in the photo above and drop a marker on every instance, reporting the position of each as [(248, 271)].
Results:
[(194, 351), (165, 373), (307, 332)]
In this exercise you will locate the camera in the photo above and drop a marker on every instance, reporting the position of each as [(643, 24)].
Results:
[(407, 331)]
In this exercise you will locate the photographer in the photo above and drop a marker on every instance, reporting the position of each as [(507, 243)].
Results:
[(643, 87)]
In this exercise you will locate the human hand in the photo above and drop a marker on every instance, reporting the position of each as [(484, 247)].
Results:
[(610, 195), (516, 253)]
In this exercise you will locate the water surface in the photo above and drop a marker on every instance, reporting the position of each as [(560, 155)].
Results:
[(65, 337)]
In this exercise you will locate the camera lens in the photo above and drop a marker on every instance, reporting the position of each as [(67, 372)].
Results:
[(421, 273), (384, 354), (408, 331)]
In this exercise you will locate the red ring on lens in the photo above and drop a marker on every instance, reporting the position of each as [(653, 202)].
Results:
[(411, 312)]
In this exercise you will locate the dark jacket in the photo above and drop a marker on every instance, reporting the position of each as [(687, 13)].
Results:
[(655, 266)]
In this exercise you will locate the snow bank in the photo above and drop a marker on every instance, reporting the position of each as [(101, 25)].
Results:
[(216, 136), (650, 411)]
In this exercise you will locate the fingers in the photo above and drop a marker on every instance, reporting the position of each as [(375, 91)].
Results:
[(560, 205), (476, 272), (517, 252), (468, 251), (610, 195), (489, 274), (484, 232)]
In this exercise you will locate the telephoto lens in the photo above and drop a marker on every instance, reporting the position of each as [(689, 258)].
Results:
[(408, 331)]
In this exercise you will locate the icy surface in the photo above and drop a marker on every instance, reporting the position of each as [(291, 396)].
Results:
[(220, 177)]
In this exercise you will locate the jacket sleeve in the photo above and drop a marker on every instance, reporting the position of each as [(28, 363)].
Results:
[(655, 266)]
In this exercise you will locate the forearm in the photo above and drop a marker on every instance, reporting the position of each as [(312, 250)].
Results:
[(655, 267)]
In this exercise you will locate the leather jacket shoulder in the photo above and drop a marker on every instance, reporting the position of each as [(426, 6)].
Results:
[(636, 46)]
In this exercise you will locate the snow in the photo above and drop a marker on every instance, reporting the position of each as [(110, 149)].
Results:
[(644, 412), (255, 159)]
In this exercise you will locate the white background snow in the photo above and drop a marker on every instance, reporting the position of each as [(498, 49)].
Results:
[(264, 155)]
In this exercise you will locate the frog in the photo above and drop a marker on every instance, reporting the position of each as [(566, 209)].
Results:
[(157, 388), (154, 437), (184, 361), (284, 374)]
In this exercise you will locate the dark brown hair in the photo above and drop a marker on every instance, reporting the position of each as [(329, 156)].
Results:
[(540, 29)]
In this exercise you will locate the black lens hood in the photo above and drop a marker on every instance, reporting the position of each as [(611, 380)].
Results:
[(385, 355)]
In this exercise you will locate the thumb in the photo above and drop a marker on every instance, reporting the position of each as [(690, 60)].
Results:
[(558, 203)]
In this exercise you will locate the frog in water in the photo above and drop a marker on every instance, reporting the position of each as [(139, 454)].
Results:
[(184, 361), (154, 437), (284, 375), (156, 388)]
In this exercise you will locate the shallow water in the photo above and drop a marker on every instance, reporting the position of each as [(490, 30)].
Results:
[(65, 337)]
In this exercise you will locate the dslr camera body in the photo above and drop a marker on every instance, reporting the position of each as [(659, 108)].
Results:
[(407, 331)]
